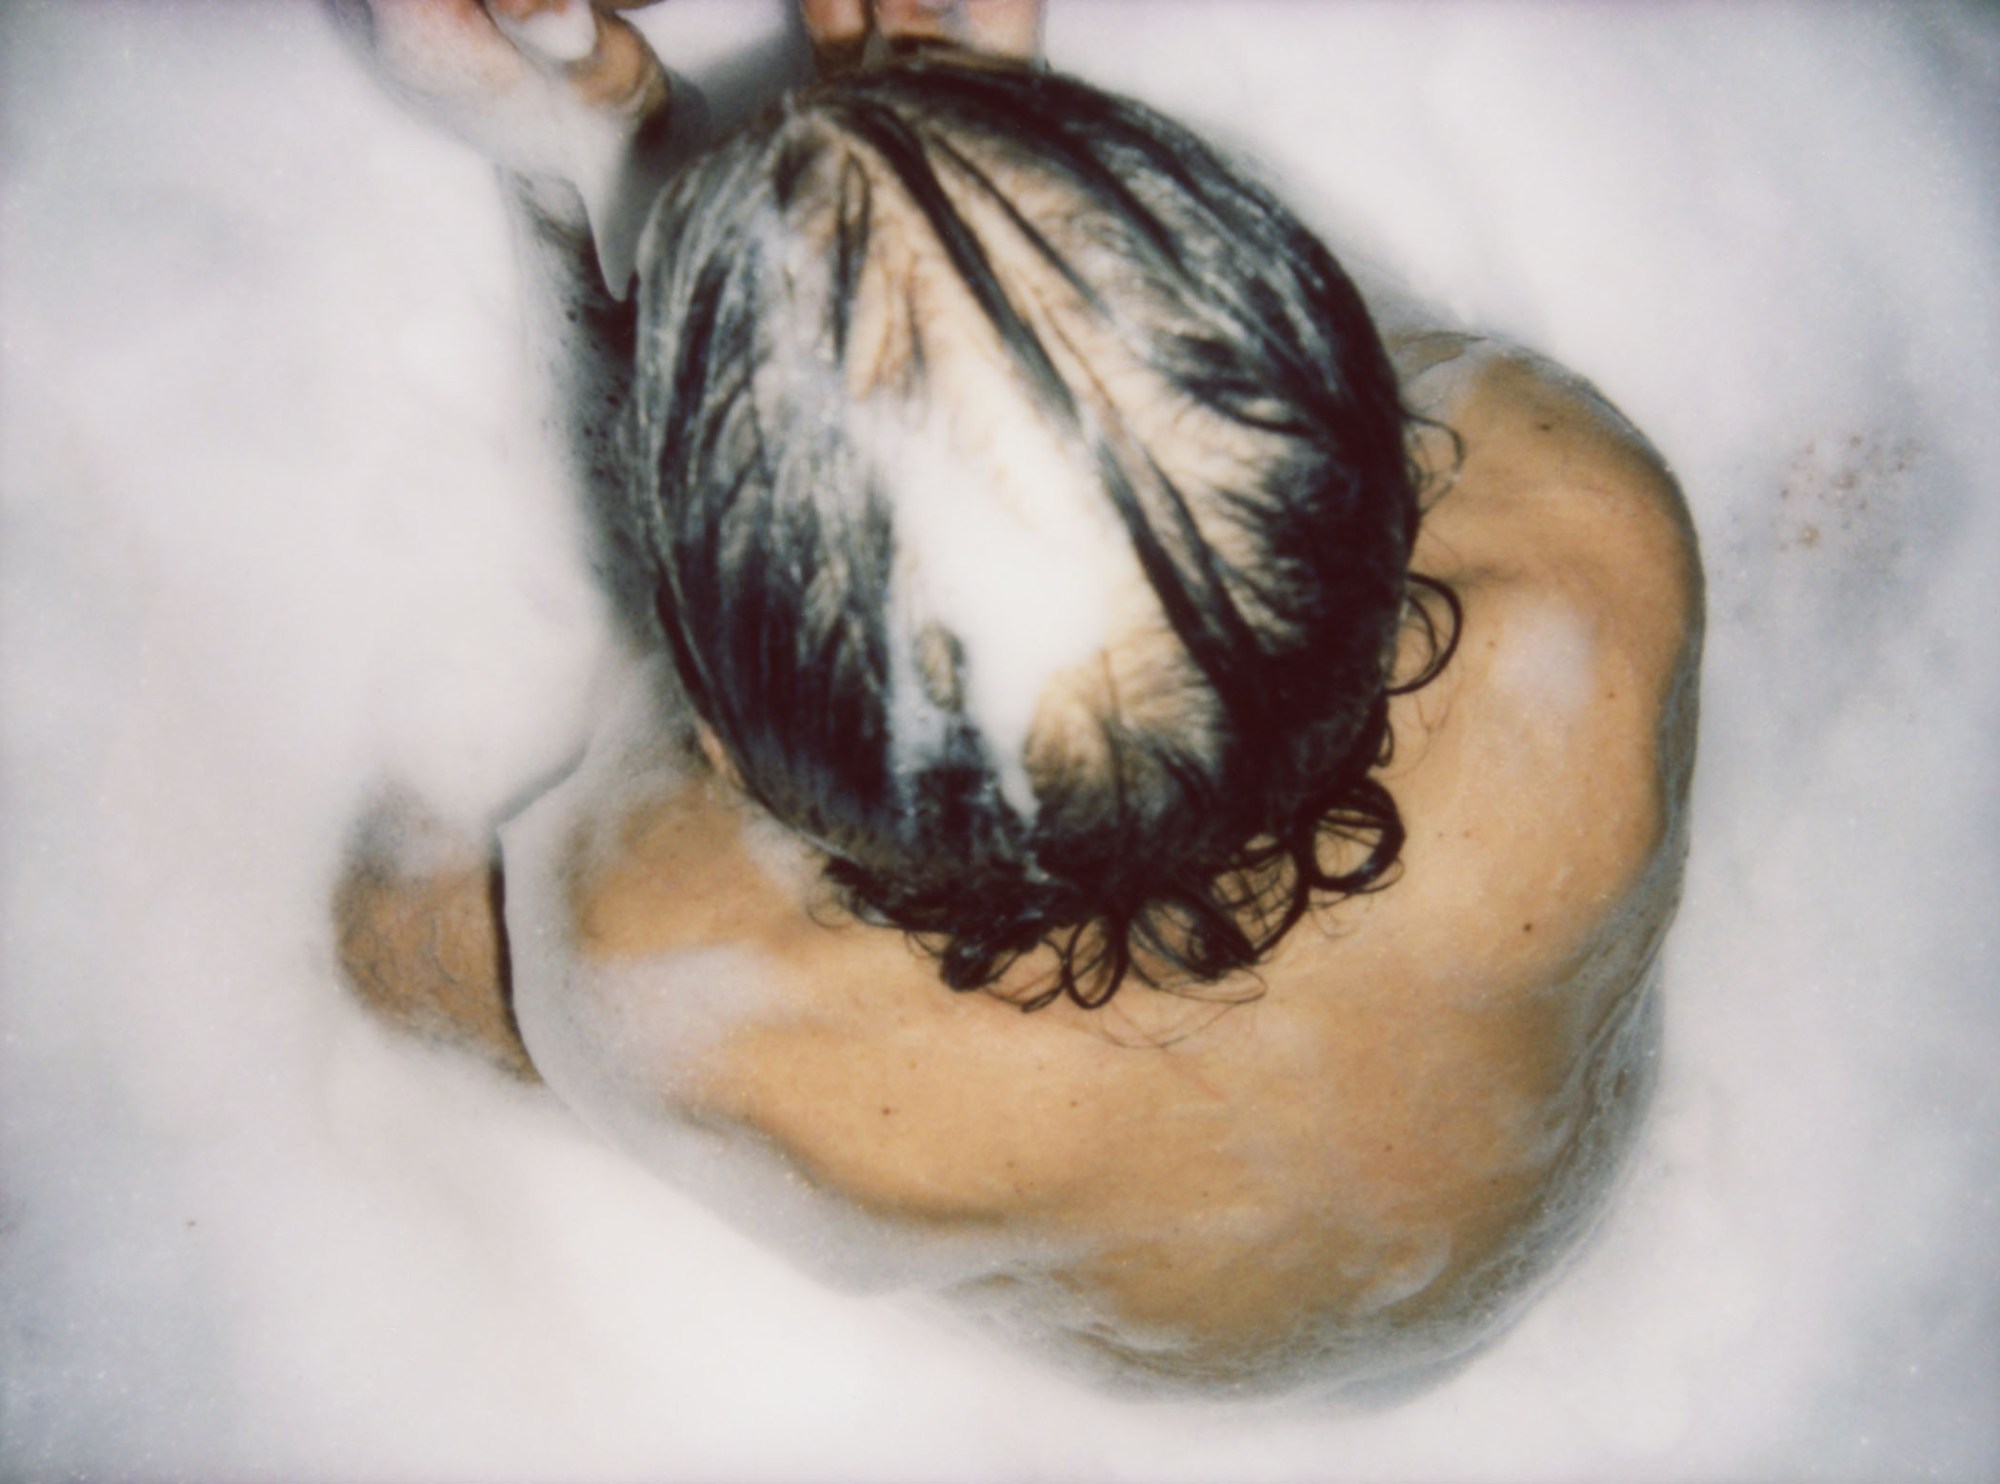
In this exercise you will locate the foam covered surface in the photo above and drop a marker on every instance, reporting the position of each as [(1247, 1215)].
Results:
[(278, 523)]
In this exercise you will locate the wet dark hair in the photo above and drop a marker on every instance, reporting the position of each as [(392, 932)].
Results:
[(1187, 811)]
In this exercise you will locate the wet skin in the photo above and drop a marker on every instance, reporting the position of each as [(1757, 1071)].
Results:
[(1355, 1167)]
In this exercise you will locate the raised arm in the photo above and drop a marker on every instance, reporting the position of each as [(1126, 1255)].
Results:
[(565, 96), (569, 99), (586, 127)]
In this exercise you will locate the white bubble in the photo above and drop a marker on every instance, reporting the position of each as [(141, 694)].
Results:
[(276, 526)]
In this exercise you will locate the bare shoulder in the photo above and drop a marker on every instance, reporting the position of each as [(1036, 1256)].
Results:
[(1561, 750), (1570, 509), (1559, 496), (418, 931)]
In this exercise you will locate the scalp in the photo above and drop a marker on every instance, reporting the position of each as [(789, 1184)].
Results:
[(1034, 513)]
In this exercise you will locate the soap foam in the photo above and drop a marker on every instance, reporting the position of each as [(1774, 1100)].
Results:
[(262, 548), (1014, 554)]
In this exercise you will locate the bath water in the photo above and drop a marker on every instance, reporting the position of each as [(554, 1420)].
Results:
[(280, 526)]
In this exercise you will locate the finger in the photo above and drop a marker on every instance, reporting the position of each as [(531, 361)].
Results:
[(834, 20), (603, 59), (622, 71), (838, 32), (1006, 29), (560, 31)]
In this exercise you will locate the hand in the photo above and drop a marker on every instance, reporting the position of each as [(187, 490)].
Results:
[(841, 30), (558, 92), (511, 78)]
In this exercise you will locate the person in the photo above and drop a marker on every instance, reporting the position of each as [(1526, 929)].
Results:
[(1052, 594)]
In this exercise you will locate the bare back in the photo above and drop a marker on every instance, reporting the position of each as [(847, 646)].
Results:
[(1346, 1166)]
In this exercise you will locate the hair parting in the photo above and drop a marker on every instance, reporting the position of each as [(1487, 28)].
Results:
[(1187, 811)]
